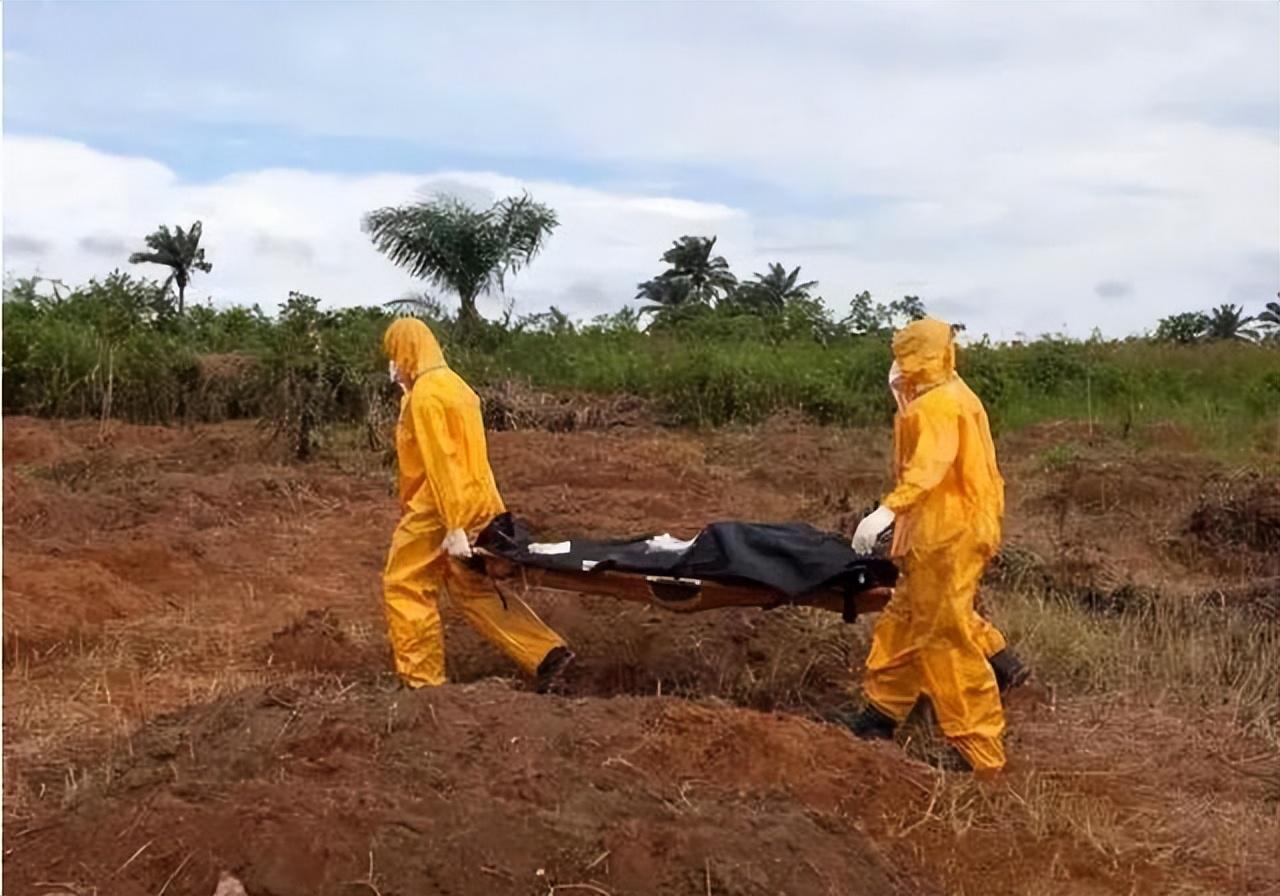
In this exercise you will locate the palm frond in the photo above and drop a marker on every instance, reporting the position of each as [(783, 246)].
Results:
[(456, 247), (179, 250), (1271, 316)]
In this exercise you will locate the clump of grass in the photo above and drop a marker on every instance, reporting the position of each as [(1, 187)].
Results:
[(1170, 648), (1059, 457), (809, 661)]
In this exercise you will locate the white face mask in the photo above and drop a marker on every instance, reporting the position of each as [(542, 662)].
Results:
[(896, 385), (394, 373)]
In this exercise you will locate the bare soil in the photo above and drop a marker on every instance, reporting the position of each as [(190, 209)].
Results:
[(196, 681)]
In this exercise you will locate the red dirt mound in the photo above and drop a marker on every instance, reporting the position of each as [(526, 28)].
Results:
[(186, 714), (1244, 513), (478, 789), (316, 642), (515, 406), (1125, 488)]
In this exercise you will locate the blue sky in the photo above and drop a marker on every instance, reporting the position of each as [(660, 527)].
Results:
[(1022, 167)]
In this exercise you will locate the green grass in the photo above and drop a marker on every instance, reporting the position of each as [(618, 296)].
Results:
[(1224, 390), (65, 357)]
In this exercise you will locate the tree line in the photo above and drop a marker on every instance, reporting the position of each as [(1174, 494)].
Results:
[(469, 252)]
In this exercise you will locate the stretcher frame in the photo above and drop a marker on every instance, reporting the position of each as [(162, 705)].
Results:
[(678, 595)]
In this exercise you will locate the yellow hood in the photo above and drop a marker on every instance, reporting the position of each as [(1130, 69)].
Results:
[(926, 352), (411, 345)]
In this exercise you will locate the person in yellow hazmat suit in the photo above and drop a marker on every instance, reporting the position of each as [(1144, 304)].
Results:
[(447, 495), (946, 510), (1008, 667)]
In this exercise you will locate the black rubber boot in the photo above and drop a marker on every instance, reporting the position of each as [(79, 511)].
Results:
[(551, 668), (1010, 671), (870, 724)]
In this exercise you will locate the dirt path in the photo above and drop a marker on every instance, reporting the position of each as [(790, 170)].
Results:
[(196, 681)]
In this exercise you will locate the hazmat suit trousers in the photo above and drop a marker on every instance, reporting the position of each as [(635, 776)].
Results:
[(988, 636), (417, 571), (929, 641)]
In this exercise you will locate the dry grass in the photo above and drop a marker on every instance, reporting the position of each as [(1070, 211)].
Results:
[(110, 685), (1150, 755), (807, 660), (1170, 650), (1107, 819)]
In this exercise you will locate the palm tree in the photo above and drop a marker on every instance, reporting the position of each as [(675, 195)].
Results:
[(664, 294), (772, 291), (180, 252), (424, 306), (1271, 316), (459, 248), (708, 275), (1229, 322)]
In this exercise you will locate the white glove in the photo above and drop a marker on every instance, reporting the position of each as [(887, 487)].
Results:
[(874, 523), (456, 544)]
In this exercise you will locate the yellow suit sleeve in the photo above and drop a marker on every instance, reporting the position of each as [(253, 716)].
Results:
[(935, 432), (444, 456)]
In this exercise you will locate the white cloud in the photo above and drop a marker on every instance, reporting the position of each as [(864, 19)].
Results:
[(1001, 261), (268, 232), (1018, 154)]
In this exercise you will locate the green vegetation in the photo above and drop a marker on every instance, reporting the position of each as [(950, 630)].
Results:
[(117, 347), (1224, 323), (705, 349)]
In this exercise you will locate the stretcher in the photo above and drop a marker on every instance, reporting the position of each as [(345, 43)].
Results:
[(679, 595), (726, 565)]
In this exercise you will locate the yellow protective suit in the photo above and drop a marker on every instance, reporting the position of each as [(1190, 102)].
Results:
[(987, 635), (949, 501), (445, 484)]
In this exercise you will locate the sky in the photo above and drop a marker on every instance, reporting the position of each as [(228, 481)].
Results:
[(1023, 168)]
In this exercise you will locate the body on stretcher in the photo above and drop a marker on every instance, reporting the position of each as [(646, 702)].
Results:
[(726, 565)]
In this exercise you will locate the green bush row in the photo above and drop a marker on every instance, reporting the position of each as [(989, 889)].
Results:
[(111, 348)]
